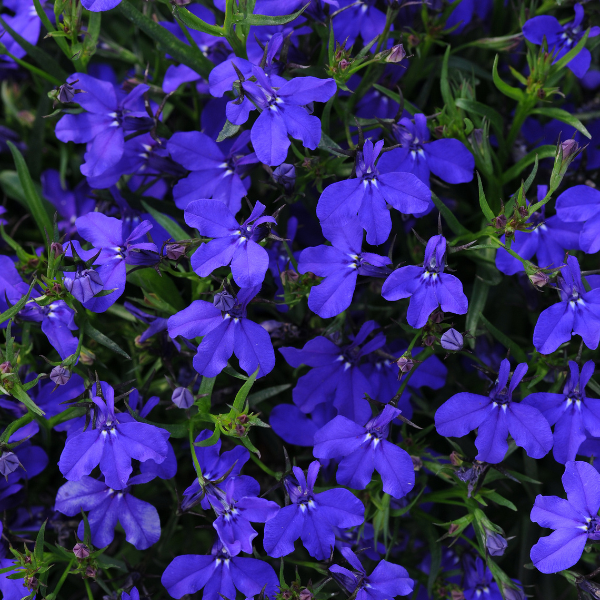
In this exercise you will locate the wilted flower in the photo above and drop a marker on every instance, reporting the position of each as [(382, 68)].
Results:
[(539, 279)]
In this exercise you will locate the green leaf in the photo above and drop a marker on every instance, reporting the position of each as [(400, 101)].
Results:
[(15, 308), (240, 398), (45, 61), (193, 22), (166, 40), (257, 397), (212, 440), (485, 207), (50, 28), (514, 348), (268, 20), (231, 371), (569, 56), (498, 499), (483, 110), (449, 217), (20, 394), (229, 130), (507, 90), (206, 387), (105, 341), (170, 226), (539, 153), (164, 287), (476, 305), (445, 84), (38, 550), (34, 202), (562, 115)]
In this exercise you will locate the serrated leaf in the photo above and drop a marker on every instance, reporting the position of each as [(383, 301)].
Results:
[(229, 130), (104, 340)]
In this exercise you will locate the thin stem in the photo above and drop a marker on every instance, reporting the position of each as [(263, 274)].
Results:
[(88, 589), (264, 467)]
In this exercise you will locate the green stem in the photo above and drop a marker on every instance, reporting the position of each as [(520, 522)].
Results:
[(62, 579), (264, 467), (88, 589), (195, 458), (21, 422)]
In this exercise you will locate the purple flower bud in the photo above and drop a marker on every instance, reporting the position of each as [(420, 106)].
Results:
[(405, 364), (85, 285), (59, 375), (81, 551), (285, 175), (513, 594), (175, 251), (397, 54), (495, 543), (452, 340), (289, 276), (499, 222), (305, 594), (90, 572), (66, 92), (569, 148), (5, 367), (182, 397), (9, 462), (539, 279), (57, 249), (224, 301)]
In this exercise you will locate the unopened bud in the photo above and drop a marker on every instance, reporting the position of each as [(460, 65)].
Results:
[(453, 529), (569, 148), (437, 316), (240, 429), (243, 419), (90, 572), (417, 463), (66, 92), (429, 340), (180, 2), (285, 175), (455, 459), (175, 251), (224, 301), (289, 276), (344, 64), (405, 364), (457, 595), (182, 397), (523, 211), (59, 375), (81, 551), (397, 54), (499, 222), (539, 279), (495, 543), (56, 249), (512, 593), (5, 367), (9, 463), (452, 340), (305, 594), (87, 357)]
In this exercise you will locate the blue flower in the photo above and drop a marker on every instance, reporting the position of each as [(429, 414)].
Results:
[(464, 12), (574, 520), (225, 334), (311, 517), (428, 286), (340, 264), (572, 412), (369, 194), (360, 18), (495, 416), (581, 204), (364, 449)]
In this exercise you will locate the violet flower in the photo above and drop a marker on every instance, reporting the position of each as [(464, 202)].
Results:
[(580, 206)]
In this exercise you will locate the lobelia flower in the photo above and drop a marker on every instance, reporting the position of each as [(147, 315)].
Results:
[(156, 324), (117, 250), (449, 159), (235, 511), (562, 39), (283, 113), (548, 241), (70, 204), (364, 19), (575, 520), (572, 412), (428, 286), (218, 171), (577, 312), (464, 12), (109, 115), (112, 443), (295, 427), (311, 517), (340, 264), (386, 581), (12, 286), (220, 574), (133, 595), (24, 22), (495, 543), (232, 243), (336, 377), (369, 194), (581, 205), (224, 335), (479, 583), (100, 5), (106, 507), (364, 449), (495, 416)]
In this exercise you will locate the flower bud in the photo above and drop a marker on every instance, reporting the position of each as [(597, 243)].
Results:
[(495, 543), (56, 249), (437, 316), (66, 92), (569, 148), (397, 54), (81, 551), (457, 595), (180, 2), (405, 364), (85, 285), (9, 463), (499, 222), (429, 340), (5, 367), (243, 419), (285, 175), (59, 375), (87, 357), (289, 276), (224, 301), (305, 594), (452, 340), (90, 572), (512, 593), (344, 64), (455, 459), (175, 251), (539, 279), (182, 397)]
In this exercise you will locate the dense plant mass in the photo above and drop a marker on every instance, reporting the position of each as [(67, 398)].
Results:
[(299, 299)]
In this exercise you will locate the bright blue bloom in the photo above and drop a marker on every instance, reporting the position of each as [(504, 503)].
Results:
[(364, 449), (363, 19), (12, 285), (283, 113), (156, 324), (577, 312), (572, 412), (311, 517), (548, 241), (575, 520), (562, 39), (26, 23), (336, 377), (225, 334), (106, 507), (109, 115), (112, 443), (386, 581), (233, 243), (479, 583), (218, 171), (495, 416), (369, 194), (340, 264), (448, 159), (428, 286), (220, 574), (581, 204), (295, 427), (464, 12), (133, 595), (100, 5), (279, 260)]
